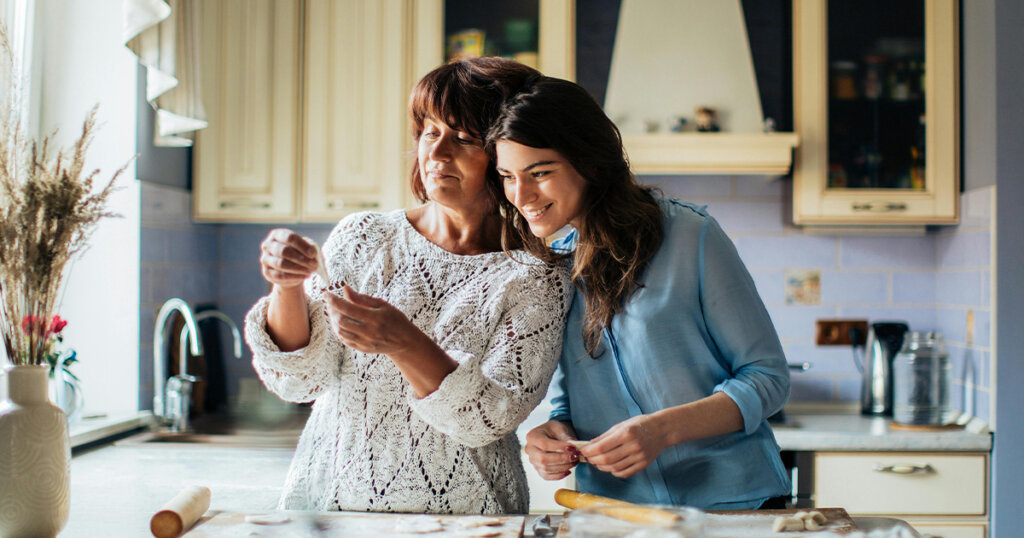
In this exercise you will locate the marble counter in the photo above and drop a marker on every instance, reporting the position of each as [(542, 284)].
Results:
[(116, 489), (854, 432)]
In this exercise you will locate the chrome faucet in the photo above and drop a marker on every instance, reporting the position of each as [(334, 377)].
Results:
[(159, 360), (178, 395)]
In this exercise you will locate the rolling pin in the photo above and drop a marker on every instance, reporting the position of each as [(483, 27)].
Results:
[(615, 508), (181, 512)]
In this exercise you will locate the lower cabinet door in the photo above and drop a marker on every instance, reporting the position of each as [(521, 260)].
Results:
[(951, 530)]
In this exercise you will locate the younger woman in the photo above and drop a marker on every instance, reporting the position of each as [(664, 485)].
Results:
[(670, 364)]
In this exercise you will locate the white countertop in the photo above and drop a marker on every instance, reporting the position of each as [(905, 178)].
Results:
[(115, 489), (854, 432)]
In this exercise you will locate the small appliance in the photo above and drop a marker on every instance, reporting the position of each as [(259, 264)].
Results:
[(884, 340)]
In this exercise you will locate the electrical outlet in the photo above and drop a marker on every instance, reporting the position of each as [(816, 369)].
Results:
[(836, 332)]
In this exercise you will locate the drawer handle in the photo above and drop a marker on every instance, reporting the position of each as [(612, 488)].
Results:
[(245, 204), (358, 205), (880, 208), (904, 469)]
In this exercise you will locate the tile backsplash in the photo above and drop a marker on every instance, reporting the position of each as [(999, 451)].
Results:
[(930, 281)]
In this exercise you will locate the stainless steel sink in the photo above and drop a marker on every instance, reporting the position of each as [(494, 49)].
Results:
[(213, 430), (283, 439)]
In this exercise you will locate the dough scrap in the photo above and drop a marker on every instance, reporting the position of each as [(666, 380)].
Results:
[(481, 521), (783, 524), (419, 525), (267, 519)]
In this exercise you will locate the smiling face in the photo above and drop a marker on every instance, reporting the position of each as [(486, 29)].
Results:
[(453, 165), (543, 186)]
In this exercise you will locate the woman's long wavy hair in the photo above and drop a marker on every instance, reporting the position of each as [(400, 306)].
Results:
[(466, 95), (619, 228)]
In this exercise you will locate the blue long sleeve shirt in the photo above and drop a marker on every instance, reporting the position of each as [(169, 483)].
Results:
[(697, 326)]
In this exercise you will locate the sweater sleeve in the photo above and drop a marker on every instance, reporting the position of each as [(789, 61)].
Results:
[(300, 375), (488, 396), (742, 330), (303, 374)]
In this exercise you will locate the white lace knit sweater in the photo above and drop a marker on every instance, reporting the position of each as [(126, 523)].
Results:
[(370, 444)]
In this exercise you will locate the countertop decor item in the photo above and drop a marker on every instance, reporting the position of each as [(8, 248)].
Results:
[(48, 208), (35, 457)]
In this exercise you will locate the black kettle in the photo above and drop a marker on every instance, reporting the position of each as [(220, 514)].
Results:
[(883, 343)]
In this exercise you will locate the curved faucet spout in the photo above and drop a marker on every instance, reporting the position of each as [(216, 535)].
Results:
[(235, 333), (159, 361)]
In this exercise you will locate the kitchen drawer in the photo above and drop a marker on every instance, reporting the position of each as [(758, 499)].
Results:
[(902, 484), (951, 530)]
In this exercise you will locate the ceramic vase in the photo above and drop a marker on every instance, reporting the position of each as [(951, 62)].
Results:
[(35, 457)]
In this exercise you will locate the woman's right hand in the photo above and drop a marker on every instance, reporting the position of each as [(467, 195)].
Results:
[(548, 450), (286, 258)]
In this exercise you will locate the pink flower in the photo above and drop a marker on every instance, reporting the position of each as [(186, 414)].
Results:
[(57, 324), (32, 324)]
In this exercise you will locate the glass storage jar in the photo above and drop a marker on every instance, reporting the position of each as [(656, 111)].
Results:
[(922, 381)]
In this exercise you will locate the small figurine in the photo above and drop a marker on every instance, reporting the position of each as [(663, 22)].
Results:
[(677, 124), (705, 119)]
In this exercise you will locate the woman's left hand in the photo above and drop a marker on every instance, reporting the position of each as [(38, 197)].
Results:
[(368, 324), (627, 447)]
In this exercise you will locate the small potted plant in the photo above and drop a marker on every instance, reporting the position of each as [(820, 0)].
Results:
[(65, 387)]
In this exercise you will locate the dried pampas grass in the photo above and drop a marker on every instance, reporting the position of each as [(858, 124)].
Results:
[(48, 210)]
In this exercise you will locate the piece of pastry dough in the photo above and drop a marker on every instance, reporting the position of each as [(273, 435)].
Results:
[(579, 444), (419, 525), (783, 524), (267, 519)]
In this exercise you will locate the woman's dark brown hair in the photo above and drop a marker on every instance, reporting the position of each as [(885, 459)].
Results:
[(619, 229), (466, 95)]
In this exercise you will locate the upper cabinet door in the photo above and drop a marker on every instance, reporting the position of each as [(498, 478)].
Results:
[(356, 87), (539, 33), (247, 159), (876, 104)]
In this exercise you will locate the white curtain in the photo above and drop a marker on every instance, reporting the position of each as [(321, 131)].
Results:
[(165, 37), (17, 17)]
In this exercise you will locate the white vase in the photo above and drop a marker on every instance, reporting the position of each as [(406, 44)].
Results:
[(35, 457)]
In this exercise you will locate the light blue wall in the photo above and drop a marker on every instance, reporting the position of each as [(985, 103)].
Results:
[(929, 281), (1008, 453)]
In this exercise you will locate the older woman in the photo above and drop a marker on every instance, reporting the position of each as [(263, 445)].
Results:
[(428, 346)]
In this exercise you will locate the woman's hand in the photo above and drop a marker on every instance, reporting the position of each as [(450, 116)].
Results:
[(627, 447), (286, 258), (548, 450), (370, 325)]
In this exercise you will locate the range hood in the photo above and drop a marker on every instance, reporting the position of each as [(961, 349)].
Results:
[(670, 57)]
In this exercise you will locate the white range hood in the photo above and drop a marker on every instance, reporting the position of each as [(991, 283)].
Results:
[(672, 56)]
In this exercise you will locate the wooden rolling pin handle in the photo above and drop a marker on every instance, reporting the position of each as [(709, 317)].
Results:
[(615, 508), (181, 512)]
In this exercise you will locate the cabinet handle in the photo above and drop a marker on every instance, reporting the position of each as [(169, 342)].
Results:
[(250, 204), (358, 205), (880, 208), (909, 468)]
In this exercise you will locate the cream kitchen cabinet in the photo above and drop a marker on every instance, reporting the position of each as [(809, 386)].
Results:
[(876, 106), (555, 22), (942, 493), (246, 164), (307, 108)]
